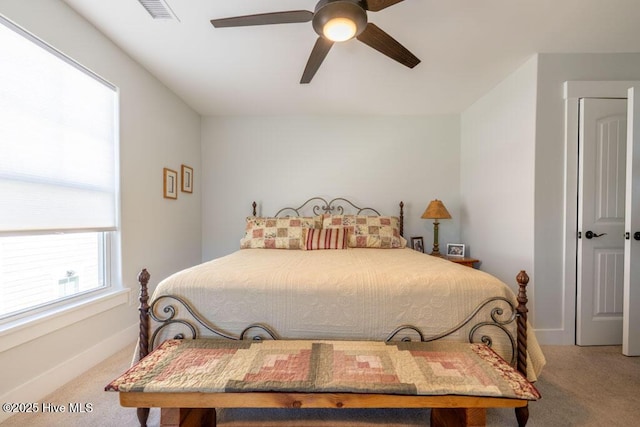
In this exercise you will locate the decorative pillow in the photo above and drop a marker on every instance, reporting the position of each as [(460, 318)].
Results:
[(328, 238), (369, 231), (276, 233), (347, 222)]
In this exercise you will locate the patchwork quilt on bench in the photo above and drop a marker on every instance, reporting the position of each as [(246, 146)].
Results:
[(407, 368)]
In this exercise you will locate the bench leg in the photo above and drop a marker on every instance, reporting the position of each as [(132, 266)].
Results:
[(450, 417), (522, 415), (187, 417), (143, 416)]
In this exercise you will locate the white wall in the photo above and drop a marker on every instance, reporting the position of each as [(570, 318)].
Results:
[(513, 167), (283, 161), (554, 298), (157, 130), (497, 176)]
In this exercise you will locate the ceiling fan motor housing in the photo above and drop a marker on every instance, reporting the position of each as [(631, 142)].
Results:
[(327, 10)]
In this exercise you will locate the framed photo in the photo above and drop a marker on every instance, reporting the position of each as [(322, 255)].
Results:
[(187, 179), (170, 184), (455, 249), (417, 243)]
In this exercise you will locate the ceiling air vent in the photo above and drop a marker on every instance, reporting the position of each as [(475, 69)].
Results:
[(158, 9)]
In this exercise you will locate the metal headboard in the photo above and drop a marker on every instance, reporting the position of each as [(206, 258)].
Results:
[(319, 205)]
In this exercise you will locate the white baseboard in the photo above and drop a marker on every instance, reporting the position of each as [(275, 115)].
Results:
[(39, 387)]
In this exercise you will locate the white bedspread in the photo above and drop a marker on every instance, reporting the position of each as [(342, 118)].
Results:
[(339, 294)]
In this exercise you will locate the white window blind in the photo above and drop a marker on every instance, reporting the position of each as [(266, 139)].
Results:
[(58, 140)]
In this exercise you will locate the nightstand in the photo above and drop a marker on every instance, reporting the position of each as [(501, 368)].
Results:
[(468, 262)]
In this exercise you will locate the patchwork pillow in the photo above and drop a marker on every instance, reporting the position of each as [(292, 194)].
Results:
[(368, 231), (276, 233), (327, 238)]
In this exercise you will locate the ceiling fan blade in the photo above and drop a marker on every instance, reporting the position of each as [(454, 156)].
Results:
[(289, 17), (319, 52), (376, 5), (384, 43)]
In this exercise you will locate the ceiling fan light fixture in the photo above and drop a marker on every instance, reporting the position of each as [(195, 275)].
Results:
[(333, 21), (339, 20), (339, 29)]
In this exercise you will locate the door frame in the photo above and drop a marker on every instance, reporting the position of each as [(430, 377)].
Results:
[(572, 92)]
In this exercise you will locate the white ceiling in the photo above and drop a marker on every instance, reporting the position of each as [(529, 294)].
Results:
[(466, 48)]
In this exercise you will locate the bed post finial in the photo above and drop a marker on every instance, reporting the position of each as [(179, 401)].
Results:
[(143, 340), (401, 218), (522, 413), (254, 205), (143, 279)]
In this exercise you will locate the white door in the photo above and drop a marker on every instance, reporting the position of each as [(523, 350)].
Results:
[(631, 320), (601, 221)]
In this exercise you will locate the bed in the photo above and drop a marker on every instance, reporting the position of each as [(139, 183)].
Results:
[(329, 269)]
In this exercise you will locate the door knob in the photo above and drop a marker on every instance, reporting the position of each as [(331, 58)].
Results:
[(636, 235), (590, 235)]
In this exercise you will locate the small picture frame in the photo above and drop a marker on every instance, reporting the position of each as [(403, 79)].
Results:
[(455, 249), (187, 179), (170, 184), (417, 243)]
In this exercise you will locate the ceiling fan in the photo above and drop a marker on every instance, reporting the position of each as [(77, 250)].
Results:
[(334, 21)]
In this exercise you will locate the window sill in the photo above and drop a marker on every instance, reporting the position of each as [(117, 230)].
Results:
[(20, 331)]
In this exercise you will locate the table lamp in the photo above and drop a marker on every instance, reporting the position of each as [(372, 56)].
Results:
[(436, 211)]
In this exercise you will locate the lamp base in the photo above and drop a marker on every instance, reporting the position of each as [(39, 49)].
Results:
[(436, 247), (438, 254)]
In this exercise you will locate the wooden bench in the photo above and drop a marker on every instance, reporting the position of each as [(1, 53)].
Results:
[(188, 379)]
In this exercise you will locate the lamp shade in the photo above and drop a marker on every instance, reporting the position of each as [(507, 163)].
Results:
[(436, 210)]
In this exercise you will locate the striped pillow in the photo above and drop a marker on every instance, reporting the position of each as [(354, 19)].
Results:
[(328, 238)]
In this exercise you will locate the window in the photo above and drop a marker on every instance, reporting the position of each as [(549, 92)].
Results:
[(36, 270), (58, 175)]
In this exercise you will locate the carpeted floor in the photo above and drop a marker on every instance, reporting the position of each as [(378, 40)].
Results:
[(580, 386)]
